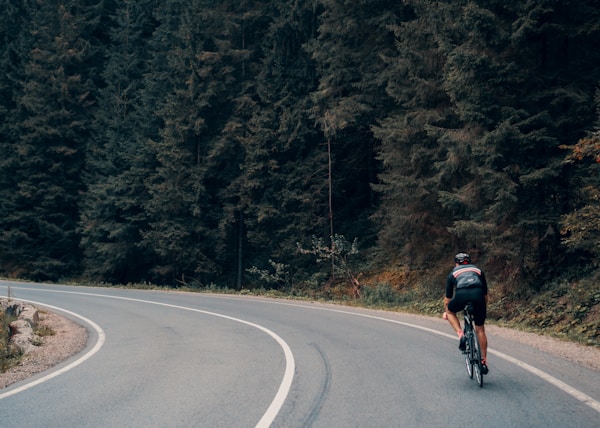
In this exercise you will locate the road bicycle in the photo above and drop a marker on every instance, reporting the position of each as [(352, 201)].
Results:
[(472, 350)]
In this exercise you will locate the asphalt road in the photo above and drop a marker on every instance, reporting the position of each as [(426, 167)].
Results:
[(169, 359)]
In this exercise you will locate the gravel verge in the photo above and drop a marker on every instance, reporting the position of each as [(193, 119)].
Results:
[(69, 338), (585, 356)]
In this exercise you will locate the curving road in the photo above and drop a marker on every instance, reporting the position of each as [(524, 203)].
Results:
[(168, 359)]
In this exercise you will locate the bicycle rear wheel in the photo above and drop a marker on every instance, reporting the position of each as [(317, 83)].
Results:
[(477, 364), (469, 352)]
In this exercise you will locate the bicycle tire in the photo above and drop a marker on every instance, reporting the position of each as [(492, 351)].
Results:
[(477, 364), (469, 350)]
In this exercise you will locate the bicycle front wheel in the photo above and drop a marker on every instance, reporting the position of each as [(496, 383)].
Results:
[(476, 361), (469, 354)]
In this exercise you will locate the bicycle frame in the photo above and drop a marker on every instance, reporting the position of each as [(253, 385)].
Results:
[(472, 351)]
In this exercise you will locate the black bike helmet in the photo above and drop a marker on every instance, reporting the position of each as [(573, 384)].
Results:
[(462, 259)]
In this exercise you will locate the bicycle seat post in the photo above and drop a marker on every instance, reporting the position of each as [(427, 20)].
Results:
[(468, 314)]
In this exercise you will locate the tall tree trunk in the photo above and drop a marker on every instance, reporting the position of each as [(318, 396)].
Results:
[(240, 250), (330, 185)]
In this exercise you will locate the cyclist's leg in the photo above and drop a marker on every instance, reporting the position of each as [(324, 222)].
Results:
[(454, 306), (480, 329), (480, 316)]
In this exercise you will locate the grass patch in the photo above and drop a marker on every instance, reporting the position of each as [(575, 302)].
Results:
[(564, 309), (43, 331), (8, 358)]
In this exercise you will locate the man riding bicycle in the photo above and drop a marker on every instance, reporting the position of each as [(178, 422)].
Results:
[(471, 286)]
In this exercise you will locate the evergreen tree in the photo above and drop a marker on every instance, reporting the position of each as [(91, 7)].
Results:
[(198, 147), (487, 149), (553, 43), (481, 86), (281, 190), (411, 222), (118, 158), (9, 69), (51, 122), (247, 22), (581, 226), (352, 38), (179, 140)]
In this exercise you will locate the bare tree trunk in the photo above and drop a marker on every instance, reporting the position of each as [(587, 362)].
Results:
[(330, 184), (240, 249), (355, 286)]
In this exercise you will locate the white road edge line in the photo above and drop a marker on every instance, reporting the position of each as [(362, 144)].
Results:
[(290, 364), (285, 386), (573, 392), (83, 358)]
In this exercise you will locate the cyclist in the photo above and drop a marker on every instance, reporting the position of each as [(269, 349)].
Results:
[(467, 283)]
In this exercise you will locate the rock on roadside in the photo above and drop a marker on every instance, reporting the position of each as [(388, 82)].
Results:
[(41, 353), (22, 336)]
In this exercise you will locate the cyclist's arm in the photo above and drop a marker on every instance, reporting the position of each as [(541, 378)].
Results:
[(484, 283), (446, 301), (449, 287), (449, 291)]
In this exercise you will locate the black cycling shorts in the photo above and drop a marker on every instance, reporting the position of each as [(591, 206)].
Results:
[(475, 295)]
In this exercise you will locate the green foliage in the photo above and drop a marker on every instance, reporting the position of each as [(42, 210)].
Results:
[(581, 227), (118, 160), (563, 308), (477, 154), (385, 296), (44, 148), (183, 141), (340, 255), (278, 276), (8, 358)]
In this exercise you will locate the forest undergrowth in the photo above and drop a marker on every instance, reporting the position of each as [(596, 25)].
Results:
[(562, 309)]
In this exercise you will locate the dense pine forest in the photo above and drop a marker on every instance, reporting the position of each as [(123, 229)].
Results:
[(300, 144)]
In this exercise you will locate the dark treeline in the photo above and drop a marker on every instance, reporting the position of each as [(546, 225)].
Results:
[(202, 141)]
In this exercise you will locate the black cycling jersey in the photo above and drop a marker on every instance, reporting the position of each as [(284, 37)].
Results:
[(465, 276), (471, 286)]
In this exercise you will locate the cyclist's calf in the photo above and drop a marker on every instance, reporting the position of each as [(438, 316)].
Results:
[(480, 330)]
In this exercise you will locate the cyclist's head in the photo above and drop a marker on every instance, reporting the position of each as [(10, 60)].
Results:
[(462, 259)]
